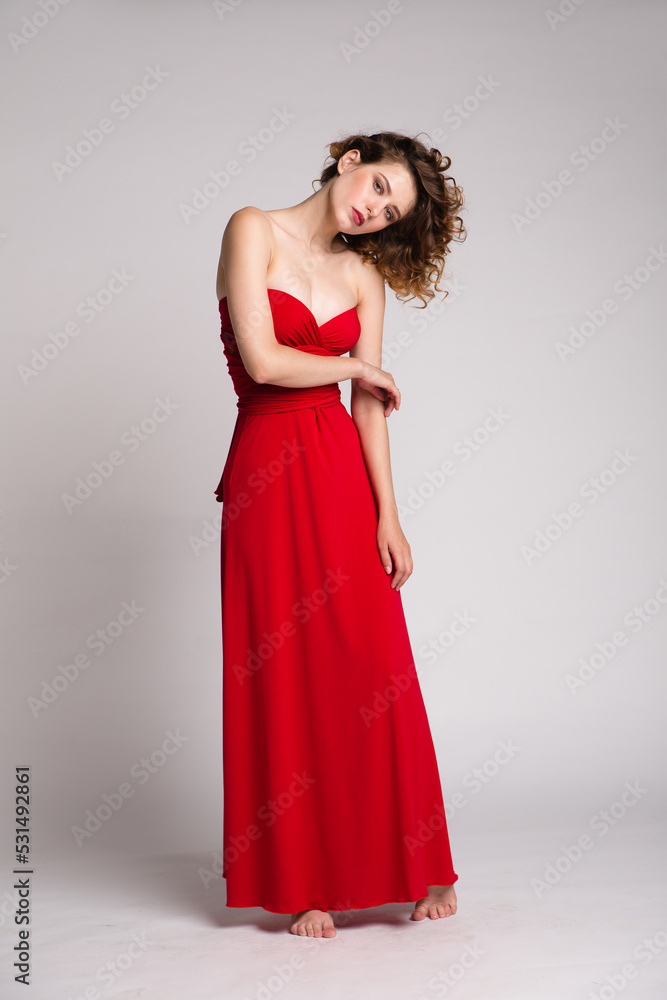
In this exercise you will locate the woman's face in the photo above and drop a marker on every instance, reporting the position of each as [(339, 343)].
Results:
[(367, 197)]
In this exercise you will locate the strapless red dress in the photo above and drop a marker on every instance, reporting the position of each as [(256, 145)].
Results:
[(332, 796)]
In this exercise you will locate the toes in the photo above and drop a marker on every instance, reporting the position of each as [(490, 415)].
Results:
[(311, 928), (433, 908)]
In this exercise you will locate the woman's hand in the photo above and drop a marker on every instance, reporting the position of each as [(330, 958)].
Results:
[(381, 385), (393, 545)]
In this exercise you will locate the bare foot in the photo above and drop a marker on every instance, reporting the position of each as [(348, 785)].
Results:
[(440, 902), (313, 923)]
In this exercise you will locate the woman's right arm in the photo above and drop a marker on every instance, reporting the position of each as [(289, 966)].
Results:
[(245, 257)]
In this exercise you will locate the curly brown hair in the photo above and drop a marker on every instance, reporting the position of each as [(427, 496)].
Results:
[(410, 253)]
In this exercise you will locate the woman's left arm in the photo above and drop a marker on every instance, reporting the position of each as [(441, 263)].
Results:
[(367, 412)]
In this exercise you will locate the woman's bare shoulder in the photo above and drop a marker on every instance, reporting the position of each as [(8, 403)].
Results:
[(248, 234), (369, 280), (248, 217)]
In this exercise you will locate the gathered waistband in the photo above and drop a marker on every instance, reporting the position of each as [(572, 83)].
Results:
[(282, 400)]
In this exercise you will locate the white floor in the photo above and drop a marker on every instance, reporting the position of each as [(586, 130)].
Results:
[(140, 928)]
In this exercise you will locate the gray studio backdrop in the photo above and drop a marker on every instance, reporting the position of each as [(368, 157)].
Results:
[(527, 454)]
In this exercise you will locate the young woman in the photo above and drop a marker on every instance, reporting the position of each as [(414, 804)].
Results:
[(332, 796)]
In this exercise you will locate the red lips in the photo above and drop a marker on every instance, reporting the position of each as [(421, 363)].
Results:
[(358, 217)]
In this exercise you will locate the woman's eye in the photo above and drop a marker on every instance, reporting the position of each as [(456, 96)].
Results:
[(389, 216)]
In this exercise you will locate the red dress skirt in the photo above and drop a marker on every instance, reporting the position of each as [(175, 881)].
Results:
[(332, 797)]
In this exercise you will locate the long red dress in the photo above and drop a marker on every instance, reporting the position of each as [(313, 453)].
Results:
[(332, 797)]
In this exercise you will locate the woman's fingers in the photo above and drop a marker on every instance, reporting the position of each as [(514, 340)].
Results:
[(402, 563), (381, 385)]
